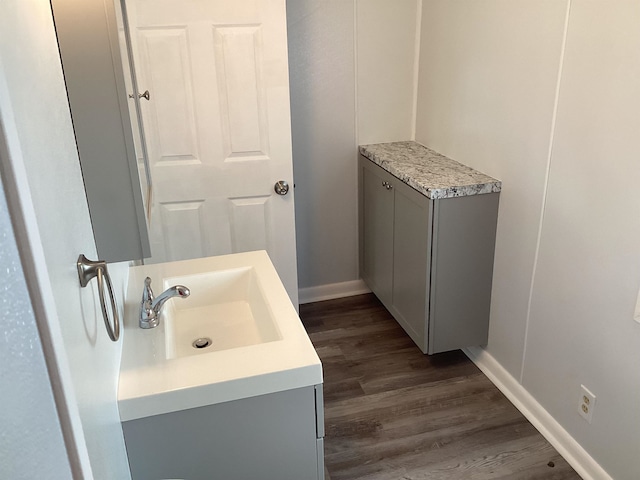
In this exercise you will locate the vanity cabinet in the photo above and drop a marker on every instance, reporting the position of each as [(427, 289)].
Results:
[(271, 437), (429, 261)]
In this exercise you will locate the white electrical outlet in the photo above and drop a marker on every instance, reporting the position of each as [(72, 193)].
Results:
[(587, 403)]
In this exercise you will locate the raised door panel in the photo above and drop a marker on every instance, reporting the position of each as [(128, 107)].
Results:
[(182, 224), (166, 72), (411, 255), (377, 244), (249, 223), (241, 88)]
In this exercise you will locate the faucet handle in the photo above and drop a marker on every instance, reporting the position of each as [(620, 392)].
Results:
[(147, 292)]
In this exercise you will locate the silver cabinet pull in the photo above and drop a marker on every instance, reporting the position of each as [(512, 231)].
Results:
[(387, 185), (281, 187), (87, 270)]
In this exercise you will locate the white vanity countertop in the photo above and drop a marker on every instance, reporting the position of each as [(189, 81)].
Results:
[(429, 172), (150, 384)]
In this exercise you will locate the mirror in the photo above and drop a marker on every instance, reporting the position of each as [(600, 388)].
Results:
[(135, 114), (92, 67), (204, 87)]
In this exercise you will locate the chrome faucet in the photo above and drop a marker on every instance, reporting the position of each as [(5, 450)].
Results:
[(151, 307)]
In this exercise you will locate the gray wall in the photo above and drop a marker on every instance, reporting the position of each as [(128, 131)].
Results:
[(352, 65), (322, 79)]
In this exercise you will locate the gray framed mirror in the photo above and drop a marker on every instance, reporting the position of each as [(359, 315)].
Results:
[(90, 47)]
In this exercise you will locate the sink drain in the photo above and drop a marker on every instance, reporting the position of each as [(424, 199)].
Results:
[(203, 342)]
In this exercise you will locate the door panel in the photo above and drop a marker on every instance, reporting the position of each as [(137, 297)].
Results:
[(243, 105), (182, 224), (219, 127), (377, 235), (249, 223), (166, 72), (411, 254)]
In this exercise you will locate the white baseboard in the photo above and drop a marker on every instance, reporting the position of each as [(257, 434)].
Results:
[(331, 291), (548, 426)]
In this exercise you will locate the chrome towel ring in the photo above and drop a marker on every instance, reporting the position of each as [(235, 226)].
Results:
[(88, 269)]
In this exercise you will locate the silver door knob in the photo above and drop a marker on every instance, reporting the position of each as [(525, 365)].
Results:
[(281, 187), (146, 95)]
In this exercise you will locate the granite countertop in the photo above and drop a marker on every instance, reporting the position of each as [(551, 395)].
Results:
[(429, 172)]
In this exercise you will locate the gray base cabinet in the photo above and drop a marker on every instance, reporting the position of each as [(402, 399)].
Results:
[(430, 262), (270, 437)]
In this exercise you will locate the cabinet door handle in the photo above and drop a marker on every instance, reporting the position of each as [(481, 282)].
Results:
[(387, 185)]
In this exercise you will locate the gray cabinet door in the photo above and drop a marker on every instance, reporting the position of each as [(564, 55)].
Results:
[(411, 256), (377, 234)]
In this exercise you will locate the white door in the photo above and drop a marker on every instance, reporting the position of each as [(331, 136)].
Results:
[(218, 127)]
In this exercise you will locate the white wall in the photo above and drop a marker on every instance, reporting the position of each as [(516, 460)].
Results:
[(581, 329), (565, 283), (25, 391), (386, 61), (323, 61), (45, 152), (488, 76)]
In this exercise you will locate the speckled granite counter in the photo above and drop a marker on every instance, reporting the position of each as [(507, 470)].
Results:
[(429, 172)]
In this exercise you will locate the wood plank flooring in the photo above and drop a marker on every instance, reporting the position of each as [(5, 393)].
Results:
[(392, 412)]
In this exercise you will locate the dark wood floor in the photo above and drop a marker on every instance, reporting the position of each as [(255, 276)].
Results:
[(393, 413)]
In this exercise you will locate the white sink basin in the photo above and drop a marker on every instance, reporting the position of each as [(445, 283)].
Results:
[(226, 309), (258, 344)]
